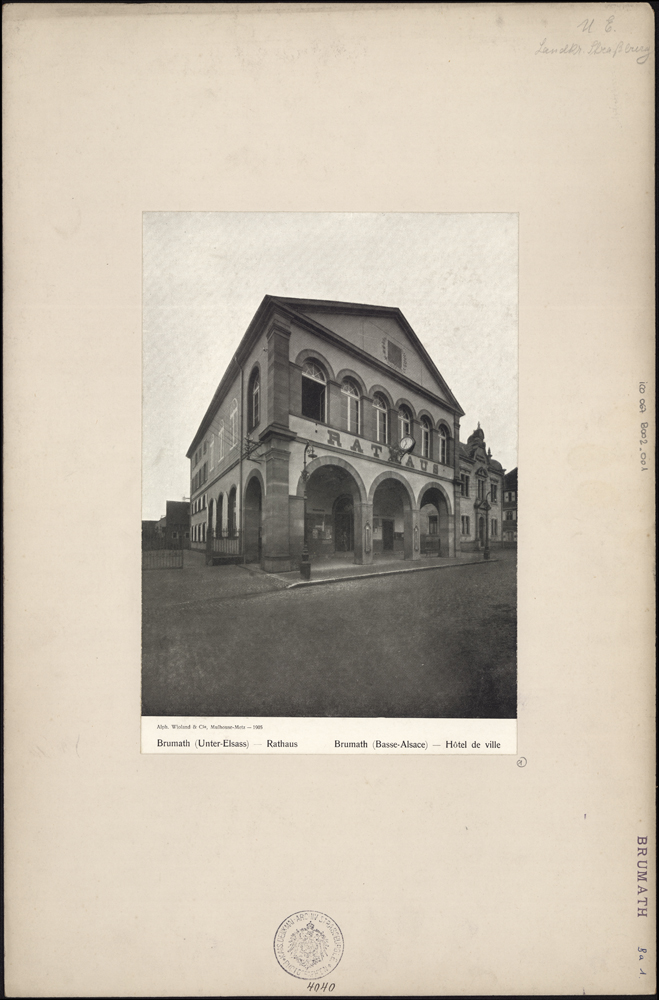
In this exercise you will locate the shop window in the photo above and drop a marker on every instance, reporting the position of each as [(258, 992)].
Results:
[(313, 392), (351, 392), (381, 418)]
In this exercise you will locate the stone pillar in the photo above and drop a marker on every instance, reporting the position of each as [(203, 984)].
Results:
[(333, 407), (363, 515), (276, 554), (394, 426), (295, 389), (452, 526), (295, 528), (278, 392), (416, 434), (457, 501), (412, 543), (368, 418)]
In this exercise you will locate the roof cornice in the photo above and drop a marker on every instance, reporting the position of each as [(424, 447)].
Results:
[(271, 304)]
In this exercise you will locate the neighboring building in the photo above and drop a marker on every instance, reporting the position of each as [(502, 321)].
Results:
[(481, 484), (510, 509), (174, 527), (149, 529), (327, 391)]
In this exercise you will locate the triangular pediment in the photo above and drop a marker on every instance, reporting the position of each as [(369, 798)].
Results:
[(381, 332)]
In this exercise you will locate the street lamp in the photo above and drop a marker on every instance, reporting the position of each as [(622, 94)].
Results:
[(305, 565)]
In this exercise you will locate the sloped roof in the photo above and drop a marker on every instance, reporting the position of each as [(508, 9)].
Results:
[(294, 308)]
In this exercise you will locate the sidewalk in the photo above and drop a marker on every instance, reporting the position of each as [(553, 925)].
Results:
[(196, 583), (335, 571)]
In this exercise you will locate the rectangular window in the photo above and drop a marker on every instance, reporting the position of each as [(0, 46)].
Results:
[(481, 489), (493, 493), (313, 400), (464, 486), (394, 354), (205, 447), (433, 525), (510, 515), (425, 442), (381, 425), (494, 529), (465, 525), (353, 415)]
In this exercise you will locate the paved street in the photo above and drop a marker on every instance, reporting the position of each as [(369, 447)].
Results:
[(440, 643)]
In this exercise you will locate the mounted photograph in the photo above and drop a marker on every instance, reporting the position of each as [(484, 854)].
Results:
[(329, 478)]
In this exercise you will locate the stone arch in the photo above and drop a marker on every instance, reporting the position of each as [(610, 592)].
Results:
[(349, 373), (312, 354), (318, 463), (383, 392), (252, 516), (428, 415), (254, 474), (443, 424), (392, 474), (435, 486), (403, 401)]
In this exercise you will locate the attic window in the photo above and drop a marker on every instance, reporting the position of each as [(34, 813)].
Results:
[(394, 354)]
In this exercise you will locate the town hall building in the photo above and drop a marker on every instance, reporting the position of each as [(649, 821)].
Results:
[(333, 429)]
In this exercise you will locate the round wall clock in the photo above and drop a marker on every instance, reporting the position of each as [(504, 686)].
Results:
[(407, 444)]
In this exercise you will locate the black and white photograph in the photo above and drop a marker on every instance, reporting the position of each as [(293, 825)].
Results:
[(329, 469)]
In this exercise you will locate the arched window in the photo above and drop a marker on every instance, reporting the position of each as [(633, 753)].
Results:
[(351, 391), (405, 422), (254, 399), (425, 437), (218, 516), (381, 418), (231, 513), (233, 424), (220, 442), (313, 391), (443, 446)]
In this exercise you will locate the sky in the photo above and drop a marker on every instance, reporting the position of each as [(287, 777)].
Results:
[(454, 277)]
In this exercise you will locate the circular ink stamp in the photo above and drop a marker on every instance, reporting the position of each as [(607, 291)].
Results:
[(308, 944)]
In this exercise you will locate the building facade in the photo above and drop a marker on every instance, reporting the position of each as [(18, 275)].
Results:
[(174, 526), (510, 509), (481, 483), (303, 439)]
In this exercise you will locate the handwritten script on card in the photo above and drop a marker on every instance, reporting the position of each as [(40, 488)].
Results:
[(611, 46)]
